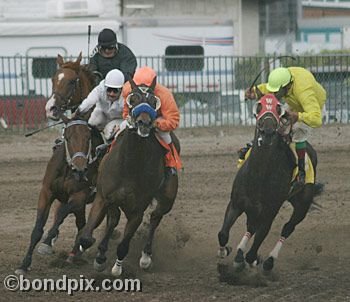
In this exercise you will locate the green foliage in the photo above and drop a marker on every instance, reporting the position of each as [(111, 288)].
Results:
[(247, 68)]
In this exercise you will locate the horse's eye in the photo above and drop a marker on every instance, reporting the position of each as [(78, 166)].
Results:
[(71, 82), (135, 99)]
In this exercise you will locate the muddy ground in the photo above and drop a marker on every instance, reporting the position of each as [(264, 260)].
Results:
[(314, 264)]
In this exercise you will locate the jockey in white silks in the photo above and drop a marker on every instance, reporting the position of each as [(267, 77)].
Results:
[(108, 100)]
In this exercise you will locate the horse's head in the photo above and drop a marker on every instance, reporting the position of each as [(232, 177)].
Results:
[(77, 141), (66, 88), (270, 117), (143, 105)]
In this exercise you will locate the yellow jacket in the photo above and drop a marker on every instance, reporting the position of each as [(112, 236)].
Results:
[(306, 96)]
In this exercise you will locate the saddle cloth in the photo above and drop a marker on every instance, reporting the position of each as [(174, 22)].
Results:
[(309, 169)]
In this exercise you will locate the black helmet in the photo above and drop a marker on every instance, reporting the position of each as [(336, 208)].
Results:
[(107, 37)]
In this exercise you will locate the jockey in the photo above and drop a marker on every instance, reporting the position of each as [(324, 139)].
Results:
[(109, 54), (168, 116), (305, 98), (108, 102)]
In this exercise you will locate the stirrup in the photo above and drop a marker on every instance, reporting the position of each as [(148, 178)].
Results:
[(101, 149), (170, 171)]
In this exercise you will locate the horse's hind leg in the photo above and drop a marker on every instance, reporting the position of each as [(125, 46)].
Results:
[(301, 204), (113, 216), (44, 205), (231, 215), (123, 247)]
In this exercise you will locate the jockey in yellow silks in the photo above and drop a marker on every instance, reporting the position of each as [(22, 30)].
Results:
[(305, 98)]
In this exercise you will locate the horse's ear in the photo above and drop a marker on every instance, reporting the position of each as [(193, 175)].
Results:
[(132, 84), (79, 58), (76, 64), (154, 83), (59, 60)]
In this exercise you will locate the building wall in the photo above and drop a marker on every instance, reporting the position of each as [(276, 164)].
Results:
[(311, 12)]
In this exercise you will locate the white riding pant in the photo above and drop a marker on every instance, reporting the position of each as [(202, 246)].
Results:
[(103, 121), (164, 135), (301, 132)]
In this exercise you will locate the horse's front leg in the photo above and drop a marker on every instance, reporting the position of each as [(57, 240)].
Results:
[(80, 221), (44, 204), (113, 216), (263, 226), (96, 216), (134, 221), (231, 215), (76, 201), (163, 207)]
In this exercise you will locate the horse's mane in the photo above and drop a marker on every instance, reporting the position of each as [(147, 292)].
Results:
[(82, 68), (85, 68)]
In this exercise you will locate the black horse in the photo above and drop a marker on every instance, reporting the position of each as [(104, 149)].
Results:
[(69, 176), (131, 175), (262, 185)]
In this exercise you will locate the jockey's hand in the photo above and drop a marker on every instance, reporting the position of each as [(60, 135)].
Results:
[(155, 124), (75, 114), (293, 116), (250, 94)]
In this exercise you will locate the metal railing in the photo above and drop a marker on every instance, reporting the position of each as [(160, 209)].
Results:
[(209, 90)]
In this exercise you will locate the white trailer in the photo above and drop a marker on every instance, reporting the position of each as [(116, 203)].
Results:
[(29, 50)]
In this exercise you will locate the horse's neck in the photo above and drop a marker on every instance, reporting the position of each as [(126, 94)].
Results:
[(137, 152), (83, 88), (268, 158)]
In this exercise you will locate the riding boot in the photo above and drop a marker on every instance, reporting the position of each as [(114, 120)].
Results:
[(243, 151), (301, 173), (299, 183)]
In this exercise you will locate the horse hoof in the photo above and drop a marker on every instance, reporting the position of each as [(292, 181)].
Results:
[(71, 257), (268, 264), (224, 251), (20, 271), (100, 266), (85, 243), (239, 262), (45, 249), (117, 270), (145, 261)]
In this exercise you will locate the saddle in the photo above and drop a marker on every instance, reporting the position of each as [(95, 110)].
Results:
[(309, 169)]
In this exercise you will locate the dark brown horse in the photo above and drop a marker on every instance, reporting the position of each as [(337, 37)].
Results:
[(131, 175), (71, 84), (262, 185), (69, 176)]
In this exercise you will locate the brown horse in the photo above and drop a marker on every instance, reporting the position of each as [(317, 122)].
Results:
[(70, 173), (130, 176), (71, 84), (262, 185)]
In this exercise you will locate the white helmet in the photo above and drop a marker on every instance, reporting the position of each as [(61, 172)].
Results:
[(114, 79)]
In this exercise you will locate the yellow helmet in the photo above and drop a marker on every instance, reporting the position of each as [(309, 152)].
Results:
[(279, 77)]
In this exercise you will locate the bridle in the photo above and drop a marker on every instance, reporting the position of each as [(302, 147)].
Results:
[(269, 110), (87, 156), (143, 95), (67, 99)]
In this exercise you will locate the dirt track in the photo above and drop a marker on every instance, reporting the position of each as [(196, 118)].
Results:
[(314, 264)]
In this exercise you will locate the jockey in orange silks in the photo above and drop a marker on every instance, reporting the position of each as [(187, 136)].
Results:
[(168, 115)]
